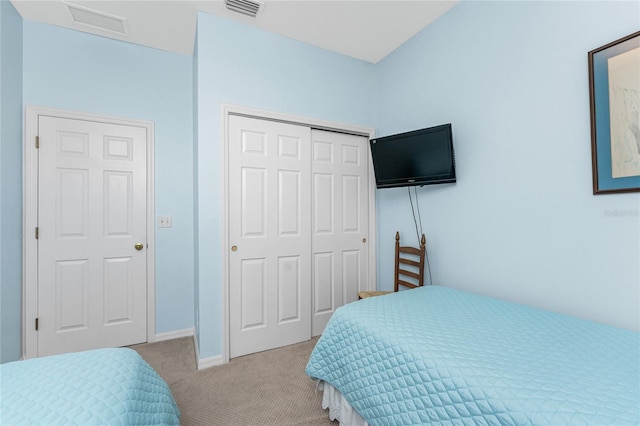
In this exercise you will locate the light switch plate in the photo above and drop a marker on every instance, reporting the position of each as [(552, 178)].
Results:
[(165, 222)]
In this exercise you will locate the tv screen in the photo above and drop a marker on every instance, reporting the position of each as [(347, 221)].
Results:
[(420, 157)]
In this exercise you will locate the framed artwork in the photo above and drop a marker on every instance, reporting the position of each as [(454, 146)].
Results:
[(614, 89)]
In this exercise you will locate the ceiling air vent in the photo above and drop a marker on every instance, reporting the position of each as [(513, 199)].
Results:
[(97, 19), (250, 8)]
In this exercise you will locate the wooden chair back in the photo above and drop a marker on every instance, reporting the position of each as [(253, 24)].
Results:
[(409, 269)]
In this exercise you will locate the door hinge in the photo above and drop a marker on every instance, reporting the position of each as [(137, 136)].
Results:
[(37, 142), (37, 232), (36, 324)]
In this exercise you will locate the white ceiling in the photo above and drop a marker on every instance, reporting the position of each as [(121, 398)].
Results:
[(364, 29)]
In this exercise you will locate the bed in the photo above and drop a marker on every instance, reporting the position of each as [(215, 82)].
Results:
[(98, 387), (437, 355)]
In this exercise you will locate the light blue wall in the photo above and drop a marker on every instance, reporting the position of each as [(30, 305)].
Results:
[(521, 223), (10, 182), (241, 65), (77, 71)]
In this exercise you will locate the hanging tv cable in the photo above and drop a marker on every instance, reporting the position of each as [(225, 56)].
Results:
[(415, 191), (415, 221), (413, 211)]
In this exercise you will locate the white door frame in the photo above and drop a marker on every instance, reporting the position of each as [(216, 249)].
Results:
[(228, 109), (30, 218)]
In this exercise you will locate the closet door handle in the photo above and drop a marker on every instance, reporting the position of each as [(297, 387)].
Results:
[(234, 248)]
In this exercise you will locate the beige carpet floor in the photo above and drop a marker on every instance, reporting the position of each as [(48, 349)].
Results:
[(267, 388)]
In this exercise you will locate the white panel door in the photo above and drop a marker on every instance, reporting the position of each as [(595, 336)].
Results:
[(269, 234), (92, 284), (340, 188)]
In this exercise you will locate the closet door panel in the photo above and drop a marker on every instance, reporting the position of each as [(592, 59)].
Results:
[(269, 235), (340, 227)]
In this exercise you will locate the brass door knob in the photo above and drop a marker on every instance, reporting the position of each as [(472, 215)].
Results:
[(364, 240), (234, 248), (138, 246)]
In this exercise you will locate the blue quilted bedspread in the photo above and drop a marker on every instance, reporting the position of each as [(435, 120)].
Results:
[(99, 387), (436, 355)]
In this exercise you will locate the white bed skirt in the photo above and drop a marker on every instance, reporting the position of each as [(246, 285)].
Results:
[(339, 408)]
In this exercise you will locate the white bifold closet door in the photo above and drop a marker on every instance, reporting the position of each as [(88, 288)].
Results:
[(298, 224)]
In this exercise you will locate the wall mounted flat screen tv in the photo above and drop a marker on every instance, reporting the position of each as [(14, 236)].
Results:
[(420, 157)]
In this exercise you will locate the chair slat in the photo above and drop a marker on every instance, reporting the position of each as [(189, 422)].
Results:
[(410, 250), (406, 284), (409, 274), (409, 262)]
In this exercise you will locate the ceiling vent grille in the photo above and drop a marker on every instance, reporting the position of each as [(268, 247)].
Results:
[(250, 8), (97, 19)]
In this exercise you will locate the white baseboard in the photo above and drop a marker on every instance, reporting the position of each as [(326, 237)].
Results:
[(174, 334), (209, 362), (212, 361)]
